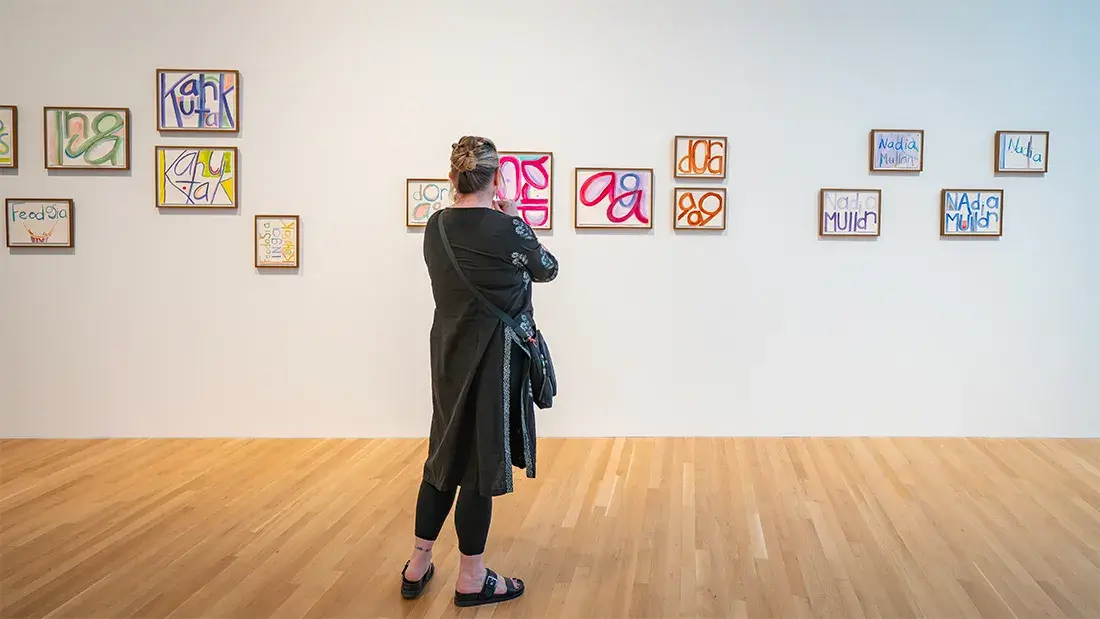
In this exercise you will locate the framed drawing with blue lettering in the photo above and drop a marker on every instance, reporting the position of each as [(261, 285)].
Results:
[(1022, 151), (9, 137), (849, 212), (972, 212), (38, 222), (205, 100), (897, 150), (423, 197)]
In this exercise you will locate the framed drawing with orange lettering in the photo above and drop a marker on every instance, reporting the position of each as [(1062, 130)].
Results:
[(702, 208), (700, 157)]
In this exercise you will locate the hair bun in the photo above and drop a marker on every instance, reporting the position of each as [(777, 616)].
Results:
[(466, 161)]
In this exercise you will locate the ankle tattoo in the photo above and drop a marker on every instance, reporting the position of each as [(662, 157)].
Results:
[(423, 549)]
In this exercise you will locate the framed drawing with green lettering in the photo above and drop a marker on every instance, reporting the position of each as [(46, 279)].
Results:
[(86, 138), (38, 222), (9, 137)]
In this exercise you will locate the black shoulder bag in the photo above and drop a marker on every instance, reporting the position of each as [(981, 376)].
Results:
[(544, 383)]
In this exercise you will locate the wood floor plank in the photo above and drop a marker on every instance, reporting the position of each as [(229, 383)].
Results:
[(641, 528)]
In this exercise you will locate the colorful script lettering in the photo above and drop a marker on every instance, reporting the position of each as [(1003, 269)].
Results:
[(40, 220), (6, 156), (527, 178), (850, 212), (87, 138), (1022, 151), (278, 241), (196, 177), (621, 196), (701, 157), (196, 100), (425, 198), (972, 212), (700, 208), (897, 151)]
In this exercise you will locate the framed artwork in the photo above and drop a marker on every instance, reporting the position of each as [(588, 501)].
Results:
[(700, 157), (971, 212), (613, 198), (198, 100), (529, 181), (38, 222), (278, 242), (897, 150), (9, 137), (1022, 151), (702, 208), (82, 138), (849, 212), (424, 196), (196, 176)]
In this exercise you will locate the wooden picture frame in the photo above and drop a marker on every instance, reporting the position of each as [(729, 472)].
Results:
[(1021, 152), (897, 150), (846, 212), (690, 210), (197, 177), (420, 204), (269, 233), (531, 175), (959, 217), (685, 161), (606, 197), (182, 87), (40, 223), (9, 137), (96, 125)]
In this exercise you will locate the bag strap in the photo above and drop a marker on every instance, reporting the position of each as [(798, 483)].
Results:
[(505, 318)]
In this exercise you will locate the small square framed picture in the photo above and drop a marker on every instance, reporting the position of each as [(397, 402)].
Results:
[(897, 150), (699, 208), (972, 212), (849, 212), (1022, 151), (702, 157), (278, 242), (9, 137), (38, 222), (423, 197)]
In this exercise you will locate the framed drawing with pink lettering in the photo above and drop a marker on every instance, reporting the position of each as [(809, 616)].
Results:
[(700, 157), (529, 181), (613, 198), (424, 196), (702, 208)]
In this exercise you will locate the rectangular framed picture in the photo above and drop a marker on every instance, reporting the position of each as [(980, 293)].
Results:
[(529, 182), (897, 150), (424, 196), (38, 222), (9, 137), (1022, 151), (196, 176), (278, 242), (849, 212), (702, 208), (198, 100), (971, 212), (700, 157), (86, 138), (613, 198)]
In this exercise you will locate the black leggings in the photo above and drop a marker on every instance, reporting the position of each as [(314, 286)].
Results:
[(472, 516)]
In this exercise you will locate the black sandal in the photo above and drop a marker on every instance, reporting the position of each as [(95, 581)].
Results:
[(410, 590), (488, 595)]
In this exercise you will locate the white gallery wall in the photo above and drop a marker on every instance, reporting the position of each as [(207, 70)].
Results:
[(157, 324)]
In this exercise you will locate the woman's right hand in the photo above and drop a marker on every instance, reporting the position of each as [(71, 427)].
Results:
[(508, 207)]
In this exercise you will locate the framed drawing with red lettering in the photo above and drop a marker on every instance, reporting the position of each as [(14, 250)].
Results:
[(38, 222), (700, 157), (528, 180), (613, 198), (702, 208)]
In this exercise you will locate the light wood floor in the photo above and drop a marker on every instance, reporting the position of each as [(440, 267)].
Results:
[(744, 528)]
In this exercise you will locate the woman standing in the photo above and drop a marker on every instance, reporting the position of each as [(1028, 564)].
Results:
[(483, 422)]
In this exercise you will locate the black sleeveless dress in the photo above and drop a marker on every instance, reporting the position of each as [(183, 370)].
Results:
[(483, 421)]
